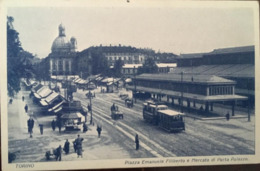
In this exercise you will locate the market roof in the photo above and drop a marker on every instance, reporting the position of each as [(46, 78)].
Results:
[(56, 106), (37, 87), (191, 55), (45, 92), (198, 97), (233, 50), (228, 70), (72, 115), (171, 77), (51, 97)]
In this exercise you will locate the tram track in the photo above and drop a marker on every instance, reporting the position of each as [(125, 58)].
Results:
[(197, 131), (199, 139), (130, 133)]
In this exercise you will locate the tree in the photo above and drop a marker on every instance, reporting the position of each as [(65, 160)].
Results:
[(117, 68), (149, 66), (99, 63), (18, 61)]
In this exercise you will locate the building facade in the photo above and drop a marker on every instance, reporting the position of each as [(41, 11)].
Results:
[(202, 89), (63, 53), (236, 63)]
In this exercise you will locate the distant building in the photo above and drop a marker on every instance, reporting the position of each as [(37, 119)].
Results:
[(63, 52), (129, 70), (236, 63), (128, 54), (165, 67)]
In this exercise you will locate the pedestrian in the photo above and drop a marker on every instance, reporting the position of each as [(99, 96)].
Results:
[(136, 142), (53, 125), (85, 127), (41, 128), (23, 98), (89, 108), (26, 108), (99, 129), (30, 124), (10, 101), (227, 116), (75, 146), (67, 147), (113, 107), (79, 146), (58, 153), (59, 125)]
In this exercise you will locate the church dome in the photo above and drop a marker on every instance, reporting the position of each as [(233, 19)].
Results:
[(60, 44)]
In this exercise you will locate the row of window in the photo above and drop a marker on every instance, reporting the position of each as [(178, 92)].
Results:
[(124, 58), (220, 90), (128, 71)]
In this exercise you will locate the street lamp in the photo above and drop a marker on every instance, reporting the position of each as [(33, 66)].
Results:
[(134, 85), (248, 102), (181, 92), (90, 107)]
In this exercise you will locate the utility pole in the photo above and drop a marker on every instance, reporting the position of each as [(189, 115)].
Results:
[(91, 117), (248, 102), (181, 92), (134, 85)]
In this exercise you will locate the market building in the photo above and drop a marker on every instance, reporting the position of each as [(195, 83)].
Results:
[(236, 63), (203, 89)]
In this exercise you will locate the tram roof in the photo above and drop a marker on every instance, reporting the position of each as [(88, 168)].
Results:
[(171, 112), (187, 78)]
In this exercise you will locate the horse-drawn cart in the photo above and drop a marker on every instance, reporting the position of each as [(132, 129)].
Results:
[(117, 115)]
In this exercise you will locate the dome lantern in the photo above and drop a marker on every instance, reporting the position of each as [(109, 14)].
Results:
[(61, 30)]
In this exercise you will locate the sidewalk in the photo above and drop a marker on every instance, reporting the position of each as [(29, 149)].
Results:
[(109, 146)]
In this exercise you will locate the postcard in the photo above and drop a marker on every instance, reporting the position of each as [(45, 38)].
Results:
[(128, 84)]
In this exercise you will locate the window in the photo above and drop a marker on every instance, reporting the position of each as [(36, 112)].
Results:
[(67, 65), (60, 66), (54, 65)]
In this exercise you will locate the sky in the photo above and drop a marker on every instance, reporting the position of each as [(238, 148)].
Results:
[(175, 30)]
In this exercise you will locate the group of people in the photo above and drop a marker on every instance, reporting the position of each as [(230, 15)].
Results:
[(77, 144), (56, 123)]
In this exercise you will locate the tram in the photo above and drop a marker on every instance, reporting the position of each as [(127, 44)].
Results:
[(159, 114), (171, 120)]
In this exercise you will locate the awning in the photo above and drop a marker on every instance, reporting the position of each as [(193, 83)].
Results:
[(55, 107), (51, 97), (128, 80), (46, 92), (37, 95), (72, 115), (43, 103), (57, 110)]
